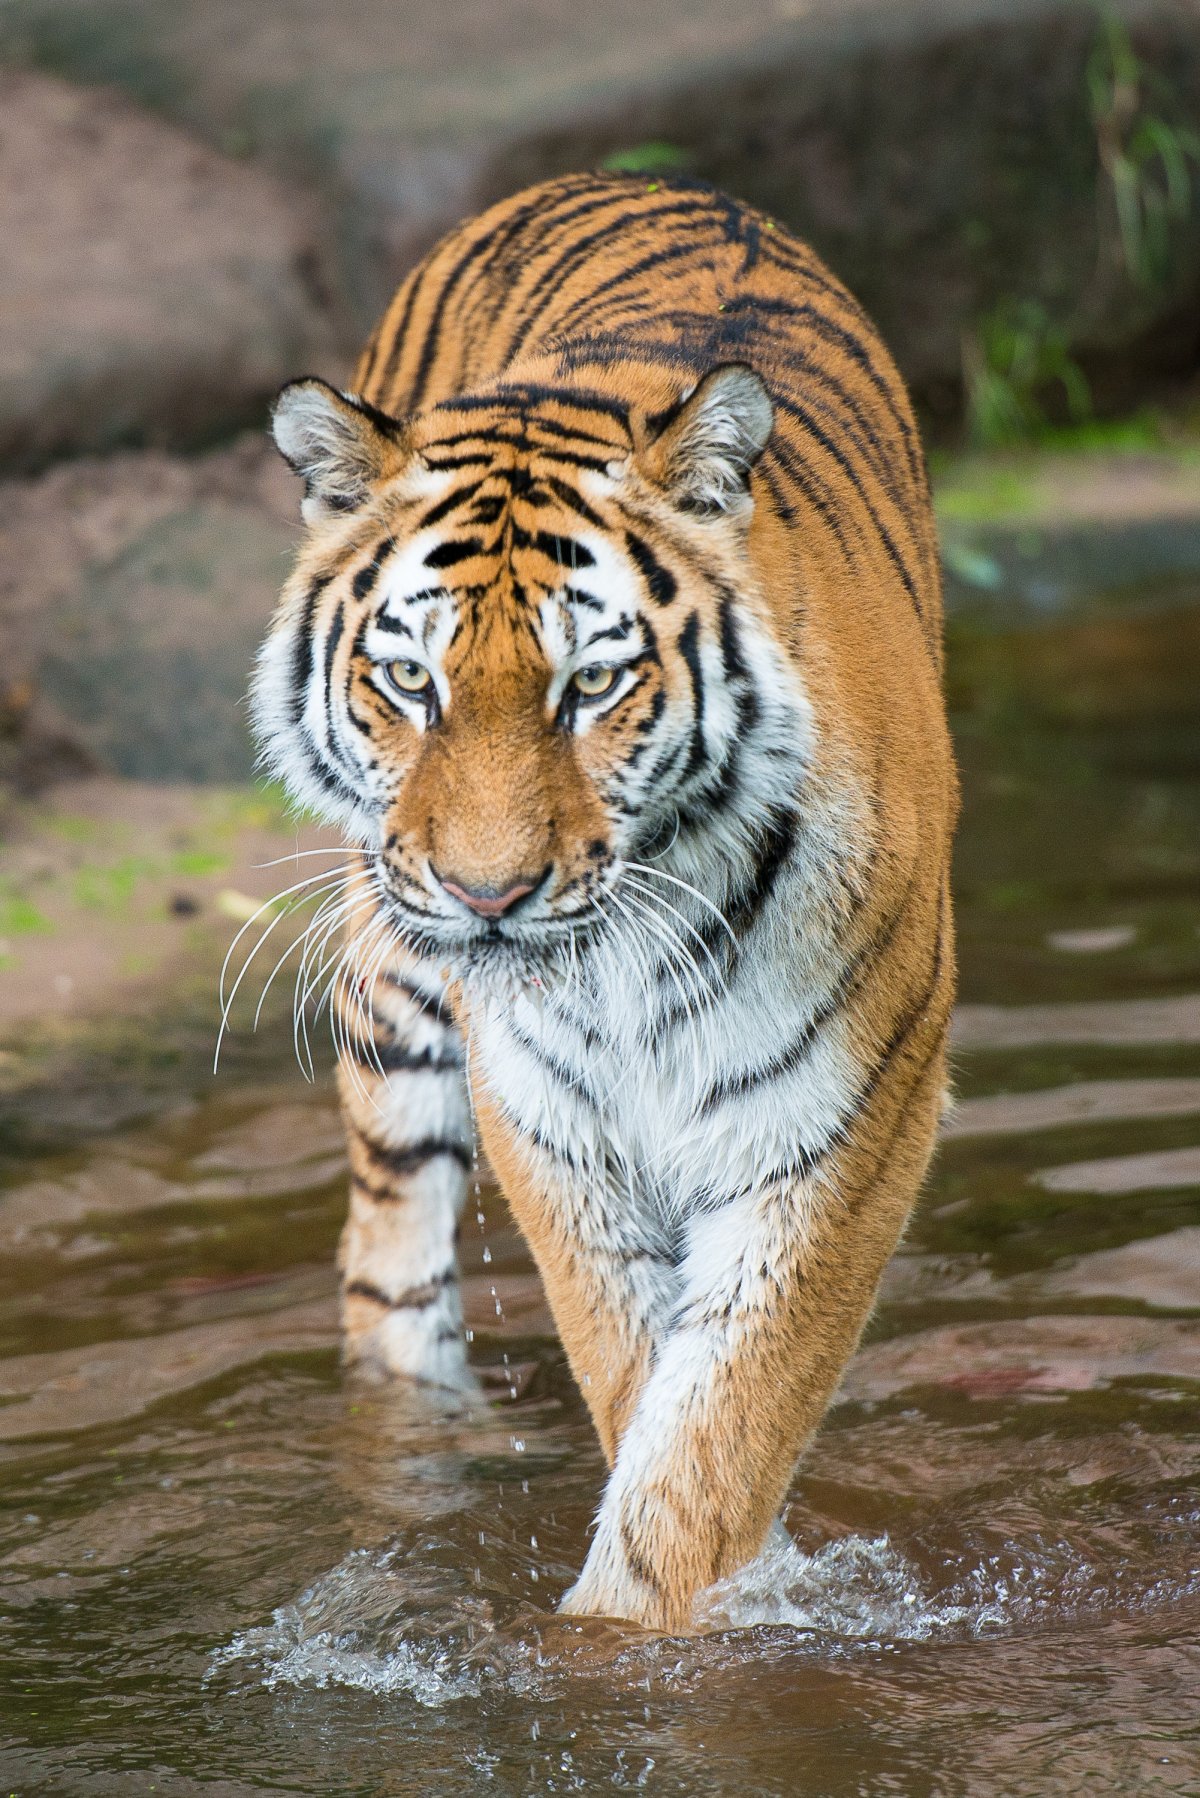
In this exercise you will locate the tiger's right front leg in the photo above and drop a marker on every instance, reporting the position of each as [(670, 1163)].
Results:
[(405, 1105)]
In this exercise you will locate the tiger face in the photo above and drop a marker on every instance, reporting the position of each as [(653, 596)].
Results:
[(515, 653)]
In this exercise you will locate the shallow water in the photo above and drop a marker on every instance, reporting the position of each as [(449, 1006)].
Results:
[(224, 1567)]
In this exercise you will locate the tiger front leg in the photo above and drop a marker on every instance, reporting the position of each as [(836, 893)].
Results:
[(754, 1353), (405, 1106), (607, 1281)]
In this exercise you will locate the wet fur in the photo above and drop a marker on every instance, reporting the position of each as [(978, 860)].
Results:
[(708, 1065)]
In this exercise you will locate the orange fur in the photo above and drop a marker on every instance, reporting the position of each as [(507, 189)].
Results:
[(556, 337)]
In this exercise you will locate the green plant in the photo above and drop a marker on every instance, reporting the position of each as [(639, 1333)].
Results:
[(655, 157), (1146, 156), (1012, 362), (1019, 376)]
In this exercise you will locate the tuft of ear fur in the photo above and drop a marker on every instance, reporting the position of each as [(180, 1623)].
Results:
[(341, 445), (703, 454)]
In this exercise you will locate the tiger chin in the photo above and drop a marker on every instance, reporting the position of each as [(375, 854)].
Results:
[(613, 645)]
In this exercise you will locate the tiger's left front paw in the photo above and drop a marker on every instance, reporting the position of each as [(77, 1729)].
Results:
[(610, 1587), (624, 1605)]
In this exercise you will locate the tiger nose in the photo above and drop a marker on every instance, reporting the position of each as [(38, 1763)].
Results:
[(486, 900)]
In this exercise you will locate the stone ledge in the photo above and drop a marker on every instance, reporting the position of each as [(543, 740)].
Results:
[(151, 289), (941, 154)]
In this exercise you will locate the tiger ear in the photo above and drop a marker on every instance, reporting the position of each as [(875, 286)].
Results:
[(341, 445), (704, 452)]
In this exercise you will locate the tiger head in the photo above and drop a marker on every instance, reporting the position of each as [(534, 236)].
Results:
[(515, 654)]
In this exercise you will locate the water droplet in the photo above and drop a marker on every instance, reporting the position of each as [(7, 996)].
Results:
[(487, 1255)]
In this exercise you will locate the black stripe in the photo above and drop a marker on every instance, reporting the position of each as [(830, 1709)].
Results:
[(805, 419), (531, 395), (302, 652), (323, 775), (573, 459), (660, 580), (848, 982), (451, 502), (777, 846), (481, 246), (430, 1004), (550, 216), (413, 1298), (852, 346), (688, 644), (549, 283), (447, 462), (913, 1015), (333, 637), (616, 633), (578, 597), (390, 627), (413, 1156), (651, 263), (488, 509), (562, 1071), (565, 551), (396, 347), (732, 658), (447, 554), (398, 1058), (367, 575), (573, 501), (522, 398), (817, 491)]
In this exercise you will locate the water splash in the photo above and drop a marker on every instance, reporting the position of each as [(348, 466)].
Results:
[(855, 1589), (398, 1621), (861, 1589), (374, 1624)]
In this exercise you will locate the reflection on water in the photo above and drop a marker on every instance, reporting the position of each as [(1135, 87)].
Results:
[(225, 1568)]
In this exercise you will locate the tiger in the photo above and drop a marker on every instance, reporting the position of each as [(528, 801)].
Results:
[(613, 647)]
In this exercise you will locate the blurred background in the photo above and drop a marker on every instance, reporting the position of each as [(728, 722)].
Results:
[(198, 202)]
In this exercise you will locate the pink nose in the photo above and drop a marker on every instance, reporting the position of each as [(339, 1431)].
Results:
[(488, 904)]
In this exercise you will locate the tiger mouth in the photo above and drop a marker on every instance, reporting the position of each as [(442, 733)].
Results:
[(529, 952)]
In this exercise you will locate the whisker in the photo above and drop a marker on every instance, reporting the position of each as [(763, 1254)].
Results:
[(321, 881), (295, 855), (661, 874), (321, 875), (314, 950), (654, 897), (295, 942)]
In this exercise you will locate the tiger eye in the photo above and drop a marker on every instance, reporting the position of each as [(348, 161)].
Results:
[(593, 681), (410, 677)]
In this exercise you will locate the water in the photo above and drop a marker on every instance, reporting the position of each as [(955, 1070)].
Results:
[(224, 1567)]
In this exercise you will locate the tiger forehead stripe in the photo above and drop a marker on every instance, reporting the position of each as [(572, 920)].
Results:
[(566, 551), (659, 580)]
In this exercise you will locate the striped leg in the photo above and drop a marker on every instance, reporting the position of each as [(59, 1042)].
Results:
[(758, 1344), (404, 1101), (609, 1274)]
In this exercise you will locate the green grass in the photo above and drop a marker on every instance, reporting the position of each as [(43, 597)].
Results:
[(20, 917)]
